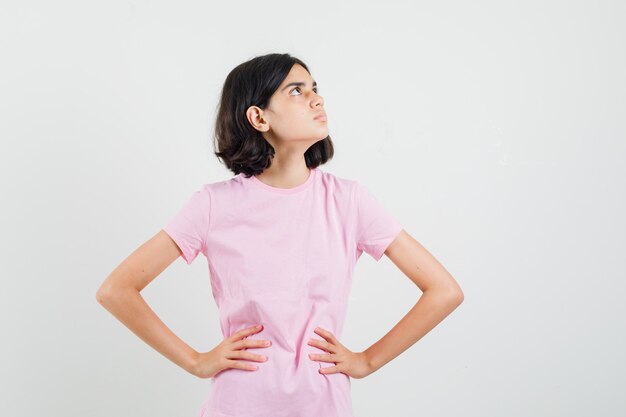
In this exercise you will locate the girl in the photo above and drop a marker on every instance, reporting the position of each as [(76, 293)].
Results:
[(281, 239)]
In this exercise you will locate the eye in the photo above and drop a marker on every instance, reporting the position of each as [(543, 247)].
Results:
[(298, 88)]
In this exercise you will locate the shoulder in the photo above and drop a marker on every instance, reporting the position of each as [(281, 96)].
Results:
[(338, 184), (352, 190), (223, 188)]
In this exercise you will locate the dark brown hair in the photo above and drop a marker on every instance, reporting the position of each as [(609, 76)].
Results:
[(238, 145)]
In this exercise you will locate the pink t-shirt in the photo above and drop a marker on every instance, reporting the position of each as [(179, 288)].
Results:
[(282, 257)]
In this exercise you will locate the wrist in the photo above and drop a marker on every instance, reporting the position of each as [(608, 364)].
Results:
[(368, 361), (192, 363)]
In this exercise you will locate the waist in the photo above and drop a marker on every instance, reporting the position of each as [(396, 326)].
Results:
[(280, 391)]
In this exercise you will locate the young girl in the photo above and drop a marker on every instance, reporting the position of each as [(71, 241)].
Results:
[(281, 239)]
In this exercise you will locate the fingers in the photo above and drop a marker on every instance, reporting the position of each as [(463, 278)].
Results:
[(241, 365), (251, 343), (326, 334), (241, 354), (330, 344), (244, 333), (322, 358), (238, 342), (329, 370), (322, 344)]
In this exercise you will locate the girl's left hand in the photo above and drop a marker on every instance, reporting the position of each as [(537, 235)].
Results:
[(353, 364)]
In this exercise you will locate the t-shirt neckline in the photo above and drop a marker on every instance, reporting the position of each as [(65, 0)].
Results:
[(312, 173)]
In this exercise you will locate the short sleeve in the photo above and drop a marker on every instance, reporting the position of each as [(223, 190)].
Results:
[(189, 227), (376, 227)]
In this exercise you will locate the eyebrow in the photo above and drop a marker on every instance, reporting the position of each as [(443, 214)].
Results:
[(299, 84)]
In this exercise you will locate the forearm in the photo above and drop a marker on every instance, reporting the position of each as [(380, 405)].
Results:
[(129, 307), (431, 308)]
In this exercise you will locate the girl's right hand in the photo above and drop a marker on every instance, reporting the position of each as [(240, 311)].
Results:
[(221, 357)]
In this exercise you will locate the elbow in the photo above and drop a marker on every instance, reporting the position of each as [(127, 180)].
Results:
[(447, 295), (455, 295), (104, 294), (101, 296), (460, 297), (110, 294)]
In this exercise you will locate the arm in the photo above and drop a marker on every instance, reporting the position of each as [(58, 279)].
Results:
[(441, 295), (120, 295)]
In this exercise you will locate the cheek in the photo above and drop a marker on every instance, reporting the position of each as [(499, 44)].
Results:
[(293, 122)]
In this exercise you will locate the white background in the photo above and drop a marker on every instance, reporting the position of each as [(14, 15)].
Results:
[(493, 130)]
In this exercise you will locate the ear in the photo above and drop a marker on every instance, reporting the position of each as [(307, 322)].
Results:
[(256, 118)]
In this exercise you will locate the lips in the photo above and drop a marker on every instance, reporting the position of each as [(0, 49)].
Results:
[(320, 117)]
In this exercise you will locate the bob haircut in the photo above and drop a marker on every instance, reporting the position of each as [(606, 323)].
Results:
[(241, 147)]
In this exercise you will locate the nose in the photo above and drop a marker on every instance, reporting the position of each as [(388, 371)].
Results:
[(318, 100)]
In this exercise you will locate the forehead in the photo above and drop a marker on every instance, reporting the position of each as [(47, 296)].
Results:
[(298, 73)]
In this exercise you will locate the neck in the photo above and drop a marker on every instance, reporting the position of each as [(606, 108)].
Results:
[(285, 174)]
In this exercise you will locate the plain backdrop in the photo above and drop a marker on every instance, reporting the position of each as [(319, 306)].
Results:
[(493, 130)]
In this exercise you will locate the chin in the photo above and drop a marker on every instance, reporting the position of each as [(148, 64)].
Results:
[(325, 132)]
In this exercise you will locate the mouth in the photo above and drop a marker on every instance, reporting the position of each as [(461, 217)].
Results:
[(320, 117)]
